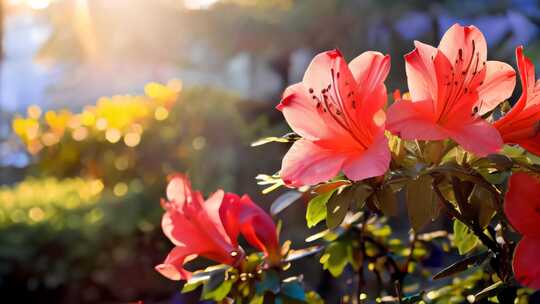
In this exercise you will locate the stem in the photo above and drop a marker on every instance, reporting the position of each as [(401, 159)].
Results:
[(399, 290)]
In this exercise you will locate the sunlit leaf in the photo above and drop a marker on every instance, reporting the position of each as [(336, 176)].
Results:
[(335, 258), (316, 210), (464, 238), (490, 291)]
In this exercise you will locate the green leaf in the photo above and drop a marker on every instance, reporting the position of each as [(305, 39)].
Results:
[(257, 299), (464, 238), (219, 293), (202, 277), (335, 258), (269, 282), (387, 201), (316, 210), (421, 201)]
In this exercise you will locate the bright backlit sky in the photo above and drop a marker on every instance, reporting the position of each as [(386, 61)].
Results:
[(42, 4)]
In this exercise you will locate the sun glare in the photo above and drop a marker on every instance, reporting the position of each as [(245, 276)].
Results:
[(198, 4), (38, 4)]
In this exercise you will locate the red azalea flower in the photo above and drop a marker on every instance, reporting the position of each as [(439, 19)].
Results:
[(522, 208), (450, 87), (338, 111), (210, 228), (522, 124)]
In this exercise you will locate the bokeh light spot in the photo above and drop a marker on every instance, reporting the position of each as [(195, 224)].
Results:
[(161, 113), (120, 189), (113, 135)]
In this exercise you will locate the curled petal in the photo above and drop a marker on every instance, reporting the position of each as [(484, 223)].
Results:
[(497, 86), (525, 264), (421, 74), (522, 203), (307, 163), (173, 266), (370, 163)]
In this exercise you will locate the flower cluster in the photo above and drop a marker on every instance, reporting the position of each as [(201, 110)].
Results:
[(211, 228), (111, 118), (448, 143)]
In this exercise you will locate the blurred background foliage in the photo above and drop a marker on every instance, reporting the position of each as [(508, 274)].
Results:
[(82, 174)]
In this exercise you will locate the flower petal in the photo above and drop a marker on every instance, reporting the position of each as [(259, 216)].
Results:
[(307, 163), (476, 136), (525, 264), (301, 113), (414, 120), (370, 69), (179, 189), (468, 40), (173, 266), (421, 77), (242, 214), (372, 162), (497, 86), (522, 203)]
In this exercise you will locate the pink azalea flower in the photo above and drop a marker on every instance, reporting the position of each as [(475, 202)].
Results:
[(522, 124), (210, 228), (450, 87), (522, 208), (337, 109)]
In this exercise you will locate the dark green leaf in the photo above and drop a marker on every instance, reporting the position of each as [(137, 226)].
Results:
[(387, 201), (482, 206), (490, 291), (338, 206), (421, 201), (316, 210), (461, 265), (464, 238), (413, 298)]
